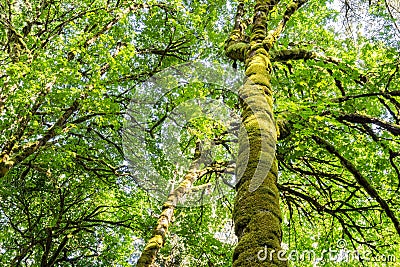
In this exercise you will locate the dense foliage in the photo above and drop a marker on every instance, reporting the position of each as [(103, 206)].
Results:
[(68, 72)]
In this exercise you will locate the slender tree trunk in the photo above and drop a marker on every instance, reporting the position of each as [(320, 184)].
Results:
[(157, 240)]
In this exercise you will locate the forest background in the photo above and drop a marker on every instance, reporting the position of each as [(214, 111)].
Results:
[(69, 70)]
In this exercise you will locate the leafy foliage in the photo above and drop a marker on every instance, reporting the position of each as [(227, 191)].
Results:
[(68, 71)]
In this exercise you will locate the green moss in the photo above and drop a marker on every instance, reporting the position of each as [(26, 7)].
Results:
[(150, 251), (258, 220), (257, 214)]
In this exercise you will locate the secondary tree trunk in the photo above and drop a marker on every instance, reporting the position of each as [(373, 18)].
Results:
[(157, 240)]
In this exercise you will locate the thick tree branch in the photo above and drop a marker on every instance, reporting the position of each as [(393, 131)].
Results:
[(363, 119), (7, 161), (235, 45), (292, 54)]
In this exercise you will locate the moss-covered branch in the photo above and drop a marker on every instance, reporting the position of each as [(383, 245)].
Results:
[(235, 45), (157, 240), (236, 51), (18, 154), (260, 19), (274, 34), (291, 54)]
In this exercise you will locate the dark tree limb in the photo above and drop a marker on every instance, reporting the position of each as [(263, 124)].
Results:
[(362, 181)]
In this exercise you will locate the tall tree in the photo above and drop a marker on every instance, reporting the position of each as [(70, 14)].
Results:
[(68, 71), (257, 215), (67, 68)]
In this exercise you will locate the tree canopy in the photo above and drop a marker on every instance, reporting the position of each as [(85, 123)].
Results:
[(70, 71)]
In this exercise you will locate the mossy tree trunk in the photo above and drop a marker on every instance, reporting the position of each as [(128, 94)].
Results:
[(159, 235), (257, 214), (156, 242)]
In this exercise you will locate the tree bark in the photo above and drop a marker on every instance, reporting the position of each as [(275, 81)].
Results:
[(157, 240), (257, 214)]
